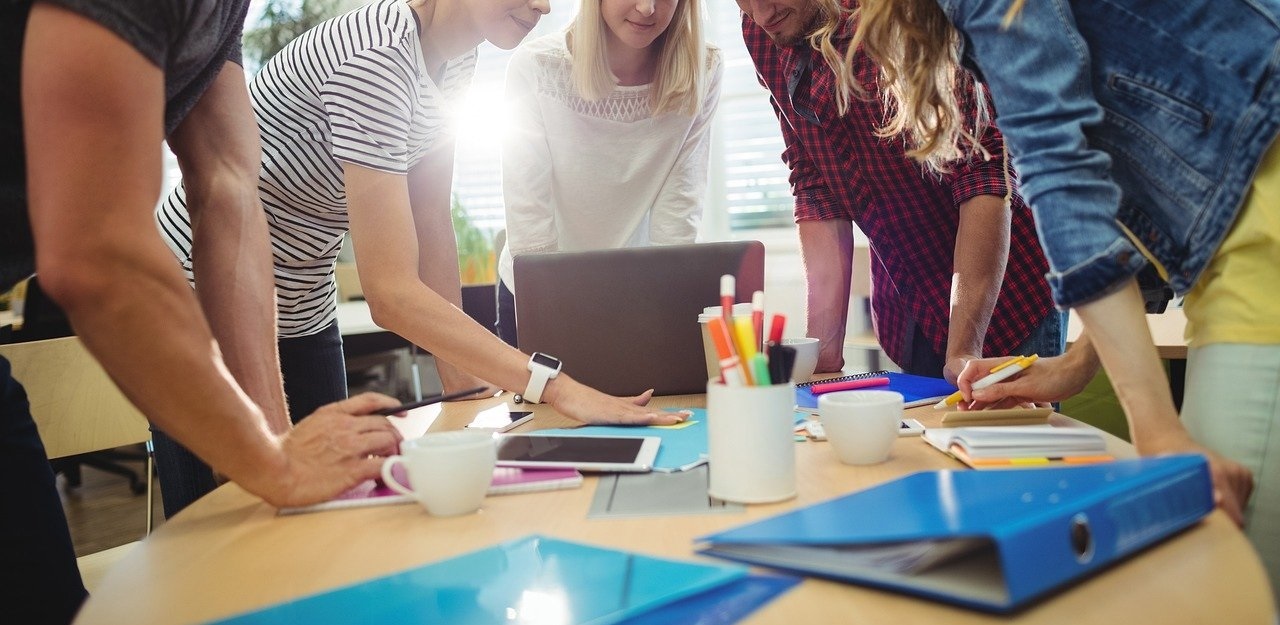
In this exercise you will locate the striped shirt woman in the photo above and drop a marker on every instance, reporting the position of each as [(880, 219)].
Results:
[(354, 89), (354, 118)]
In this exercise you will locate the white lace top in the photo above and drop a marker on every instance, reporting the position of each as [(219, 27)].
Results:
[(580, 175)]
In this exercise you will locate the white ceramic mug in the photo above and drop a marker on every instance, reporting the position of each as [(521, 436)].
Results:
[(806, 358), (861, 425), (750, 442), (449, 472)]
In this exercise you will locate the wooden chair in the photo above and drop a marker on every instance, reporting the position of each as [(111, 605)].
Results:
[(78, 410)]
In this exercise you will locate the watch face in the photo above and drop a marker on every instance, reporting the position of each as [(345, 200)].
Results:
[(550, 362)]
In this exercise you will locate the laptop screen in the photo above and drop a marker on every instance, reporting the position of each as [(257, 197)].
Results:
[(626, 320)]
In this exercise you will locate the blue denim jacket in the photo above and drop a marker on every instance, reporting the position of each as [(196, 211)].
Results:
[(1142, 115)]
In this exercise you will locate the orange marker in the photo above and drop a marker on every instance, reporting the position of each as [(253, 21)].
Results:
[(730, 370)]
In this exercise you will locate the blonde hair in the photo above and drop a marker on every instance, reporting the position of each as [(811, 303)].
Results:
[(926, 91), (681, 72)]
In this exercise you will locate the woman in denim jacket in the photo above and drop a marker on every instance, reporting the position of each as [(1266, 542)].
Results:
[(1142, 132)]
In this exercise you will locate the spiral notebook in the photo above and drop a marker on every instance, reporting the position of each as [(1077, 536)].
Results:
[(917, 390), (506, 481)]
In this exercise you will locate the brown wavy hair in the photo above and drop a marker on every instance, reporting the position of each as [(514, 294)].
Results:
[(924, 87)]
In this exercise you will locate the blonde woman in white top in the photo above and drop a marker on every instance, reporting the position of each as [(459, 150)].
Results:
[(607, 144)]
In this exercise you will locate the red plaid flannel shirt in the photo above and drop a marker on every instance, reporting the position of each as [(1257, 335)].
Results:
[(840, 169)]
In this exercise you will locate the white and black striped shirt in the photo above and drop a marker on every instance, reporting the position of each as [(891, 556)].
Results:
[(353, 89)]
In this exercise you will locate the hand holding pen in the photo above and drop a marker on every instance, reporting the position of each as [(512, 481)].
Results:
[(1003, 371), (1051, 379)]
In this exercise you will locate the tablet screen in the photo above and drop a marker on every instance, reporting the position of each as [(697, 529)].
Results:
[(570, 449)]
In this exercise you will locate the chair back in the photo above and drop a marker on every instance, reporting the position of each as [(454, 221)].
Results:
[(76, 407)]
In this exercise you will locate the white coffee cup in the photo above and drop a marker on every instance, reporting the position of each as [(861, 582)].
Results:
[(861, 425), (450, 472), (806, 358), (750, 442)]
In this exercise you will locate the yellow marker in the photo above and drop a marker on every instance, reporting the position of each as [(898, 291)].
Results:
[(744, 339)]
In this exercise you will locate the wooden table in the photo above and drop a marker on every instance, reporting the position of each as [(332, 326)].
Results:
[(229, 553)]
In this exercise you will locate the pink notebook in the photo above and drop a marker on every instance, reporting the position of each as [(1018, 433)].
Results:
[(506, 481)]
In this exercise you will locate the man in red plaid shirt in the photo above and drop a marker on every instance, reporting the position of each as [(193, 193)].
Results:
[(956, 268)]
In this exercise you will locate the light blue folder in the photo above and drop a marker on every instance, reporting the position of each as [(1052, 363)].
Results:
[(992, 540), (681, 448), (530, 580)]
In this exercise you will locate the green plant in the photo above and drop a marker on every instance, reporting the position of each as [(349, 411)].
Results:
[(281, 22), (477, 262)]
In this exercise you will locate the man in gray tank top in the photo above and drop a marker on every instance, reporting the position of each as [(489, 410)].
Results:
[(102, 83)]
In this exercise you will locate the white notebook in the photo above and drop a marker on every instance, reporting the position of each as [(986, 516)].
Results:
[(1019, 445)]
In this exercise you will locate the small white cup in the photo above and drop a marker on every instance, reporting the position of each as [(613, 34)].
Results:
[(806, 358), (861, 425), (751, 450), (449, 472)]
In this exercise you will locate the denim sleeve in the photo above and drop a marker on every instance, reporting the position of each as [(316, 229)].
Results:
[(1038, 73)]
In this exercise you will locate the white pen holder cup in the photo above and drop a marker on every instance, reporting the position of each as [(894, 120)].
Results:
[(449, 472), (750, 442)]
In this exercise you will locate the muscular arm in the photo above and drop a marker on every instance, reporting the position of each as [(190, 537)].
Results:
[(218, 152), (827, 249), (981, 254), (93, 135), (93, 126)]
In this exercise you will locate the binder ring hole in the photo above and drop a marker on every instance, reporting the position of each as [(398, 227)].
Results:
[(1081, 539)]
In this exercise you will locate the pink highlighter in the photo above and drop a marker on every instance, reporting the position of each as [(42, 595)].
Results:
[(848, 385)]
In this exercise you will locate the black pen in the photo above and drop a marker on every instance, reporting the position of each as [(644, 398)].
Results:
[(427, 401)]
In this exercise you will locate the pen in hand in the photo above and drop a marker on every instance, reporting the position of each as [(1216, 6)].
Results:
[(999, 373), (434, 399)]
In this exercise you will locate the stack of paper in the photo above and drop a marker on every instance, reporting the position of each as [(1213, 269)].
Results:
[(1025, 444)]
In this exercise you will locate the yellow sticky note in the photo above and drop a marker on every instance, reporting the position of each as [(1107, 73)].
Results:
[(677, 426)]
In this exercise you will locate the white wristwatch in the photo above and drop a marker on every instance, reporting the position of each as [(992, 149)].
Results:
[(542, 368)]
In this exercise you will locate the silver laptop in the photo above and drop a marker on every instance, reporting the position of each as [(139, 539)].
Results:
[(626, 320)]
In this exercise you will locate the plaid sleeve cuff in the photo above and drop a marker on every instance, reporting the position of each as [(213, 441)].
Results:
[(980, 177), (817, 204)]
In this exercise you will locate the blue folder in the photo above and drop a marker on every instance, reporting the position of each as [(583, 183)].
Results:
[(532, 579), (990, 540), (917, 390)]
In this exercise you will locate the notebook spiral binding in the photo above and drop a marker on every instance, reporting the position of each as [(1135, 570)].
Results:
[(847, 378)]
